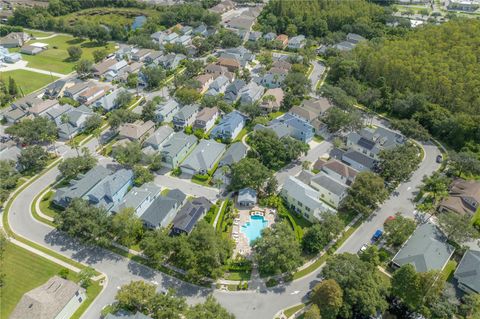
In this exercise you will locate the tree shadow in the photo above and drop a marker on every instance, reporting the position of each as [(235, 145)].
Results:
[(75, 41)]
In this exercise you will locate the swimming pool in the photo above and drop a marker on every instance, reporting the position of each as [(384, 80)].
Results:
[(253, 228)]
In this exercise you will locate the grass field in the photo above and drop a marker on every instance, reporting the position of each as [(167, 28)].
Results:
[(38, 33), (28, 81), (24, 271), (56, 58), (46, 205)]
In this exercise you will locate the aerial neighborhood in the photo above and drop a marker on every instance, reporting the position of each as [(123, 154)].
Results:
[(239, 159)]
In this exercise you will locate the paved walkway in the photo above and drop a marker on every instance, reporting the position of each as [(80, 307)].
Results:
[(22, 65)]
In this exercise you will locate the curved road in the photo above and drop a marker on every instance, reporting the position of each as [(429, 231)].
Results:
[(261, 303)]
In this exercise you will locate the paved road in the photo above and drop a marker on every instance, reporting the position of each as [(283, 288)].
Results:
[(402, 203), (316, 75)]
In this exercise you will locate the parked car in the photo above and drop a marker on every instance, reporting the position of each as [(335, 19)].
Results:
[(439, 158), (363, 248), (376, 236)]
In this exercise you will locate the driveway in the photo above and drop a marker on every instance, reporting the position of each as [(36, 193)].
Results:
[(187, 186), (316, 75)]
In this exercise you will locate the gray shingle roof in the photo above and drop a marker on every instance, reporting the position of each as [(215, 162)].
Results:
[(468, 271), (234, 153), (248, 195), (427, 249), (360, 158), (177, 142), (161, 206), (160, 136), (186, 112), (136, 196), (46, 301), (329, 183), (103, 192), (204, 156), (79, 187)]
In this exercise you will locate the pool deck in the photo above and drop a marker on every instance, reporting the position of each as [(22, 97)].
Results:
[(242, 246)]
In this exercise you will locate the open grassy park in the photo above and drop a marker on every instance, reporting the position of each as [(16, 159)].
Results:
[(56, 58), (28, 81), (25, 271)]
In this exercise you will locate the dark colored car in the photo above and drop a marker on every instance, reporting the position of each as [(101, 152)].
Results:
[(439, 158)]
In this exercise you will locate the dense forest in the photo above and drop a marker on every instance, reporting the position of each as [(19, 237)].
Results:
[(317, 18), (431, 75)]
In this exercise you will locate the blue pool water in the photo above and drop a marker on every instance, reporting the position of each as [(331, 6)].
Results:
[(253, 228)]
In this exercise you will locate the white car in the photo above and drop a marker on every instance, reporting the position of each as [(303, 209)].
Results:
[(363, 248)]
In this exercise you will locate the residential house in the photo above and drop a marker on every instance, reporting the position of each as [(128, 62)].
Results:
[(138, 199), (468, 272), (230, 63), (337, 170), (166, 111), (234, 153), (102, 67), (204, 80), (371, 142), (136, 131), (183, 40), (176, 148), (185, 117), (297, 42), (427, 249), (14, 115), (330, 190), (241, 23), (56, 299), (289, 125), (11, 58), (9, 153), (206, 118), (273, 78), (159, 137), (92, 94), (303, 199), (218, 86), (282, 64), (312, 109), (203, 157), (201, 30), (254, 36), (189, 215), (216, 70), (229, 127), (74, 91), (14, 39), (270, 36), (73, 122), (108, 102), (42, 107), (463, 198), (355, 38), (171, 37), (159, 36), (251, 93), (115, 71), (26, 102), (282, 40), (171, 61), (31, 49), (55, 89), (153, 57), (247, 197), (241, 54), (80, 186), (186, 30), (110, 190), (359, 161), (350, 43), (163, 210), (222, 7), (272, 100), (125, 52), (55, 113), (141, 55), (233, 89)]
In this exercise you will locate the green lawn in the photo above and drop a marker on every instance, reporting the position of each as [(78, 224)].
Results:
[(38, 33), (46, 205), (24, 271), (449, 269), (290, 311), (56, 58), (28, 81)]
